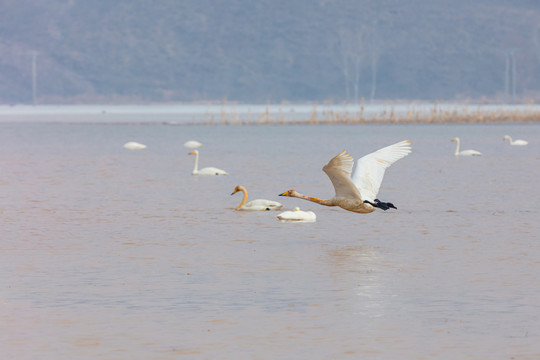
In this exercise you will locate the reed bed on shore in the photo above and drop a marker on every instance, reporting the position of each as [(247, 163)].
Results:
[(413, 114)]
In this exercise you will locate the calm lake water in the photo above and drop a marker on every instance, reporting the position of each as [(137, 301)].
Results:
[(107, 253)]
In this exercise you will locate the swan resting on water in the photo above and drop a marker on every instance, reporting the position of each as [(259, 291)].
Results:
[(357, 193), (297, 215), (206, 170), (132, 145), (515, 142), (255, 205), (464, 152), (192, 144)]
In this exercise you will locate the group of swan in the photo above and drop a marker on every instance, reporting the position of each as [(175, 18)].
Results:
[(254, 205), (132, 145), (267, 205), (478, 153), (357, 192)]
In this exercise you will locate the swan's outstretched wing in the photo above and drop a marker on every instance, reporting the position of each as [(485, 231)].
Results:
[(339, 171), (369, 171)]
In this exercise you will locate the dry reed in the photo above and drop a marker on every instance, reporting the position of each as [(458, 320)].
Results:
[(390, 115)]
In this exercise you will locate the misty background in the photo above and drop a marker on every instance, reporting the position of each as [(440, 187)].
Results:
[(130, 51)]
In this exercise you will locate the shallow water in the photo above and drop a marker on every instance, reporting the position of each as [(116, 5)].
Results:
[(114, 254)]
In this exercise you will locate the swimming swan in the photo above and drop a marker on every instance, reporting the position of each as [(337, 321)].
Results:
[(255, 205), (358, 193), (206, 170), (192, 144), (515, 142), (465, 152), (297, 215), (132, 145)]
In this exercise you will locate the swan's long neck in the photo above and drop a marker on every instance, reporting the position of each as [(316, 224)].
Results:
[(328, 202), (196, 167), (509, 140), (457, 147), (244, 198)]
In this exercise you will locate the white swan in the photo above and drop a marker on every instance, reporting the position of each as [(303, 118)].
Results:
[(515, 142), (132, 145), (297, 215), (192, 144), (206, 170), (464, 152), (255, 205), (358, 193)]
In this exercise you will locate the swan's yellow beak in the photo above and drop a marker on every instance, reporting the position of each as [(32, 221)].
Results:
[(191, 153), (284, 194), (234, 192)]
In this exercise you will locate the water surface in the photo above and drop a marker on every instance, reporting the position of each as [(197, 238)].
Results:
[(114, 254)]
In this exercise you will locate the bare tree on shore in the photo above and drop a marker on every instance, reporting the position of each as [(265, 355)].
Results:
[(351, 47)]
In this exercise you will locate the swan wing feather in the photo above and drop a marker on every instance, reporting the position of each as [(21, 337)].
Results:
[(370, 168), (339, 171)]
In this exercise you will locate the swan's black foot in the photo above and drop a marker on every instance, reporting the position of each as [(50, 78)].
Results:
[(381, 205)]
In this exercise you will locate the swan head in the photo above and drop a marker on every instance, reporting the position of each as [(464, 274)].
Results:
[(455, 139), (506, 137), (290, 193), (237, 189), (194, 152)]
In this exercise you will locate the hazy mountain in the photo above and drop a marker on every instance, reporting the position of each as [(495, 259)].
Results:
[(267, 50)]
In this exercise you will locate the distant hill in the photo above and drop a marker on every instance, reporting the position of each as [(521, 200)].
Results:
[(104, 51)]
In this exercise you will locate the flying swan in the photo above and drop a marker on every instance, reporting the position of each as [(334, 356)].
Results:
[(358, 193), (464, 152), (297, 215), (515, 142), (206, 170), (255, 205), (132, 145)]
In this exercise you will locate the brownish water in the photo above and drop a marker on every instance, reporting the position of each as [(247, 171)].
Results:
[(107, 253)]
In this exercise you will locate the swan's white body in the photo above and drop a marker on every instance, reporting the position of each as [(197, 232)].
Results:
[(464, 152), (132, 145), (515, 142), (297, 215), (206, 170), (255, 205), (192, 144), (364, 184)]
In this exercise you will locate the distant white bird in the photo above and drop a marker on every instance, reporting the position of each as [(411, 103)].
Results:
[(192, 144), (206, 170), (132, 145), (465, 152), (358, 193), (297, 215), (515, 142), (255, 205)]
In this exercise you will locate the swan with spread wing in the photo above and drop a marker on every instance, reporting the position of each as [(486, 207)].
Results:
[(358, 191)]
